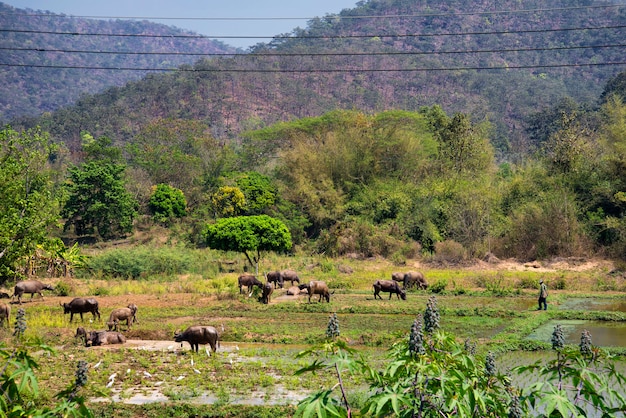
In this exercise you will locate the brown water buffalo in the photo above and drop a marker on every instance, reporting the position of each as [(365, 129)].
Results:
[(275, 278), (81, 306), (414, 278), (29, 286), (128, 314), (317, 287), (390, 286), (294, 291), (5, 313), (268, 288), (82, 334), (95, 338), (248, 280), (199, 334), (398, 276)]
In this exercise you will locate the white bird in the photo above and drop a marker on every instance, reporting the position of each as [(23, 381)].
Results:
[(231, 361), (148, 375), (110, 383), (236, 347), (196, 371), (158, 383), (222, 327), (180, 378), (127, 371), (206, 350), (112, 376), (170, 347), (191, 362), (95, 366)]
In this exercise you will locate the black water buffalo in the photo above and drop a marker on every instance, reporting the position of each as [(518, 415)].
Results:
[(29, 286), (248, 280), (317, 287), (268, 288), (276, 278), (414, 278), (290, 275), (128, 314), (95, 338), (5, 313), (81, 306), (199, 334), (390, 286)]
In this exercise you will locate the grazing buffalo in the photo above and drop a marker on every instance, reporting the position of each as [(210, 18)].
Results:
[(82, 334), (388, 286), (30, 286), (248, 280), (414, 278), (5, 313), (81, 306), (268, 288), (104, 338), (128, 314), (398, 277), (276, 278), (317, 287), (290, 275), (199, 334)]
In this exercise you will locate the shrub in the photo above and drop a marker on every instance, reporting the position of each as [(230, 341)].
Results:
[(63, 289), (439, 286), (133, 263), (167, 203), (450, 251)]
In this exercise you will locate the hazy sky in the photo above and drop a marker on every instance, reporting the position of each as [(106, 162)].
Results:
[(196, 9)]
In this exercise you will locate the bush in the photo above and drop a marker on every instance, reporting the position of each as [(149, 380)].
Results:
[(439, 286), (133, 263), (63, 289), (450, 251)]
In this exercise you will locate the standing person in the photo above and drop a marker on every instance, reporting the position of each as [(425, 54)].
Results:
[(543, 296)]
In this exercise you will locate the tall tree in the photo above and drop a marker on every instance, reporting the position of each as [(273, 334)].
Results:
[(98, 202), (28, 204)]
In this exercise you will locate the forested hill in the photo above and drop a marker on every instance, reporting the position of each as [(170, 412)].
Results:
[(31, 39), (496, 60)]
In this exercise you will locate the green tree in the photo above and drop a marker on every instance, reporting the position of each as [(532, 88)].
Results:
[(251, 235), (28, 204), (167, 203), (259, 192), (228, 201), (98, 202)]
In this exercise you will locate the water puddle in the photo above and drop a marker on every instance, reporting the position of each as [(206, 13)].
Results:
[(603, 333)]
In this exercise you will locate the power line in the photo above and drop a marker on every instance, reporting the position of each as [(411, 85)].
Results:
[(314, 54), (331, 16), (397, 35), (324, 70)]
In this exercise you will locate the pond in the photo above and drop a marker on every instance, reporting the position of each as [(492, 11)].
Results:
[(593, 304), (603, 333)]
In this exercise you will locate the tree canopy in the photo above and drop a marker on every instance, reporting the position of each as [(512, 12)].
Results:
[(251, 235), (28, 204)]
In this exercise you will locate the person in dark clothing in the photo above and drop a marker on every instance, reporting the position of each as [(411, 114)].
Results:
[(543, 296)]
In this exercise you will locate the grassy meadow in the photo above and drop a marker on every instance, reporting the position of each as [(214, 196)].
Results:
[(253, 371)]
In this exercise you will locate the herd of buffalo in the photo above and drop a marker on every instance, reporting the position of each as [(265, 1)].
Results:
[(197, 334)]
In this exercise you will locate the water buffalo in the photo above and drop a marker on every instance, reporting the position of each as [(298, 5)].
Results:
[(29, 286), (5, 313), (80, 306), (128, 314), (82, 334), (416, 278), (290, 275), (294, 291), (199, 334), (388, 286), (104, 338), (317, 287), (398, 277), (248, 280), (276, 278), (268, 288)]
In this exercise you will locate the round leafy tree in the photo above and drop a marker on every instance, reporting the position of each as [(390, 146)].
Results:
[(250, 235), (167, 203)]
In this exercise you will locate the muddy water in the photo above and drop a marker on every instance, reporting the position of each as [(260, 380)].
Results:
[(594, 304), (603, 333)]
